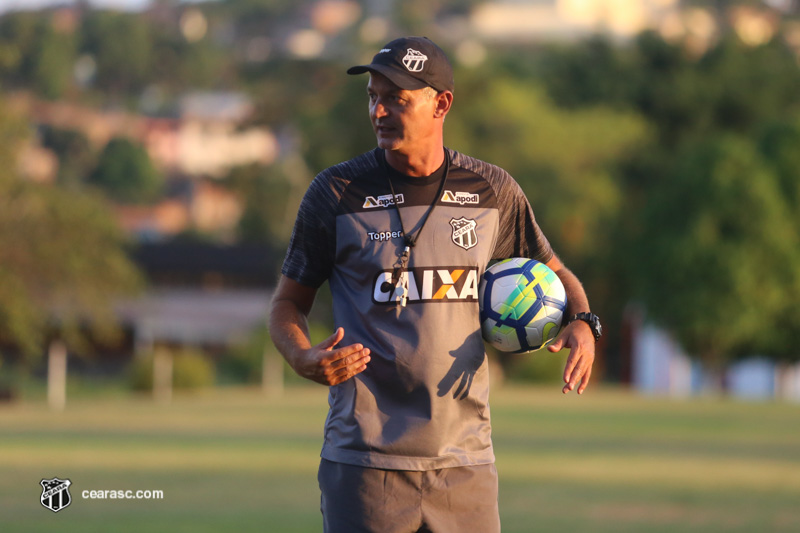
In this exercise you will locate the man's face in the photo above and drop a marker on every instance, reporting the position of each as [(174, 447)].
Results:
[(403, 120)]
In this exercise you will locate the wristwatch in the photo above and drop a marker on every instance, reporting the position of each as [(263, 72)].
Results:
[(592, 320)]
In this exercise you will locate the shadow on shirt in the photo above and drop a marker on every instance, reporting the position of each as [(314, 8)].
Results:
[(467, 362)]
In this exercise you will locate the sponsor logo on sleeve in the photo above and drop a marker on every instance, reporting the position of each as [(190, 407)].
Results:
[(371, 202), (461, 198)]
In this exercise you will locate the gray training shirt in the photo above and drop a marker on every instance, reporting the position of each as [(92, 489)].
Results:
[(422, 402)]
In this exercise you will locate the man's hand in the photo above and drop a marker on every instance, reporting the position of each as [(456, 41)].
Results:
[(328, 365), (288, 327), (578, 337)]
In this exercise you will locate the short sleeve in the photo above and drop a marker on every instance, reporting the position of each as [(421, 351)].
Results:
[(310, 256), (519, 234)]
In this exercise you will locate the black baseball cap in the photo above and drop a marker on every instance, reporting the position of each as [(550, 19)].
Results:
[(411, 63)]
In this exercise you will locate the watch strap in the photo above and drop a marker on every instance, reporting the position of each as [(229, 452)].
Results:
[(591, 319)]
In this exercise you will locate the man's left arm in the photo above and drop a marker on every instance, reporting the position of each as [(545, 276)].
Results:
[(576, 336)]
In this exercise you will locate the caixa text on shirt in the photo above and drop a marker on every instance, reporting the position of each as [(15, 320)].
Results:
[(440, 284)]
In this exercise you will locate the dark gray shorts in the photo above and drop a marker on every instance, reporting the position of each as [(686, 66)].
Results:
[(357, 499)]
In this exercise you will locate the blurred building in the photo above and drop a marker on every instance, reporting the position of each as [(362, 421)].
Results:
[(37, 163), (510, 20), (661, 366), (202, 295), (203, 142), (202, 206), (206, 138), (697, 26)]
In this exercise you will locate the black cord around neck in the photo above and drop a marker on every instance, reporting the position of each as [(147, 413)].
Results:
[(411, 240)]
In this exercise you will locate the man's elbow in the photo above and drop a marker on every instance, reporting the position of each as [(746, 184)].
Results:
[(555, 264)]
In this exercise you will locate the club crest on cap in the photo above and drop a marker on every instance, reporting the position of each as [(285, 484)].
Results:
[(414, 60)]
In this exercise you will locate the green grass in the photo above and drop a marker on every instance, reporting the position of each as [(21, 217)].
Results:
[(237, 460)]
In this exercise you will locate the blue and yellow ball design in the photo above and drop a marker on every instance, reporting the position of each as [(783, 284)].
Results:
[(522, 304)]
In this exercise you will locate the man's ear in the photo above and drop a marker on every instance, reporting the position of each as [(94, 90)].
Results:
[(443, 102)]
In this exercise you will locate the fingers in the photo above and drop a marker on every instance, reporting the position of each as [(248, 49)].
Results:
[(585, 381), (335, 357), (333, 340), (328, 365), (344, 357), (578, 376), (564, 339), (344, 363), (569, 368), (557, 344), (576, 337), (578, 370)]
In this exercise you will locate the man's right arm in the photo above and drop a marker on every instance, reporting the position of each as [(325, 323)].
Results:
[(288, 327)]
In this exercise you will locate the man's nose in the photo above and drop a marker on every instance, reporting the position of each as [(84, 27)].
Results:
[(379, 110)]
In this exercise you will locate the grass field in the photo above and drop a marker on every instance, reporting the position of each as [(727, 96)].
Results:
[(235, 460)]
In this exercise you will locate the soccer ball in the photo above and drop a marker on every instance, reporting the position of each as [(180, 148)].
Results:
[(522, 303)]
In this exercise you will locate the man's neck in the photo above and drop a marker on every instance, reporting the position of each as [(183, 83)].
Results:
[(417, 164)]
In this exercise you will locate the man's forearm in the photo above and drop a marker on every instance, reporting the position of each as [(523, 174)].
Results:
[(324, 363), (577, 336), (577, 302), (288, 328)]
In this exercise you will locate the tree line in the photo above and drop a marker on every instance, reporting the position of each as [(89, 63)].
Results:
[(662, 177)]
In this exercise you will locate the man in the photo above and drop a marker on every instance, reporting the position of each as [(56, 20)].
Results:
[(402, 234)]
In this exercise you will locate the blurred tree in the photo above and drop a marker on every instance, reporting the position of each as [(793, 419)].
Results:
[(34, 54), (121, 45), (324, 129), (53, 61), (19, 33), (75, 157), (667, 88), (124, 171), (340, 131), (203, 65), (715, 257), (182, 65), (669, 189), (562, 158), (590, 72), (265, 193), (779, 142), (594, 149), (61, 258), (733, 87)]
